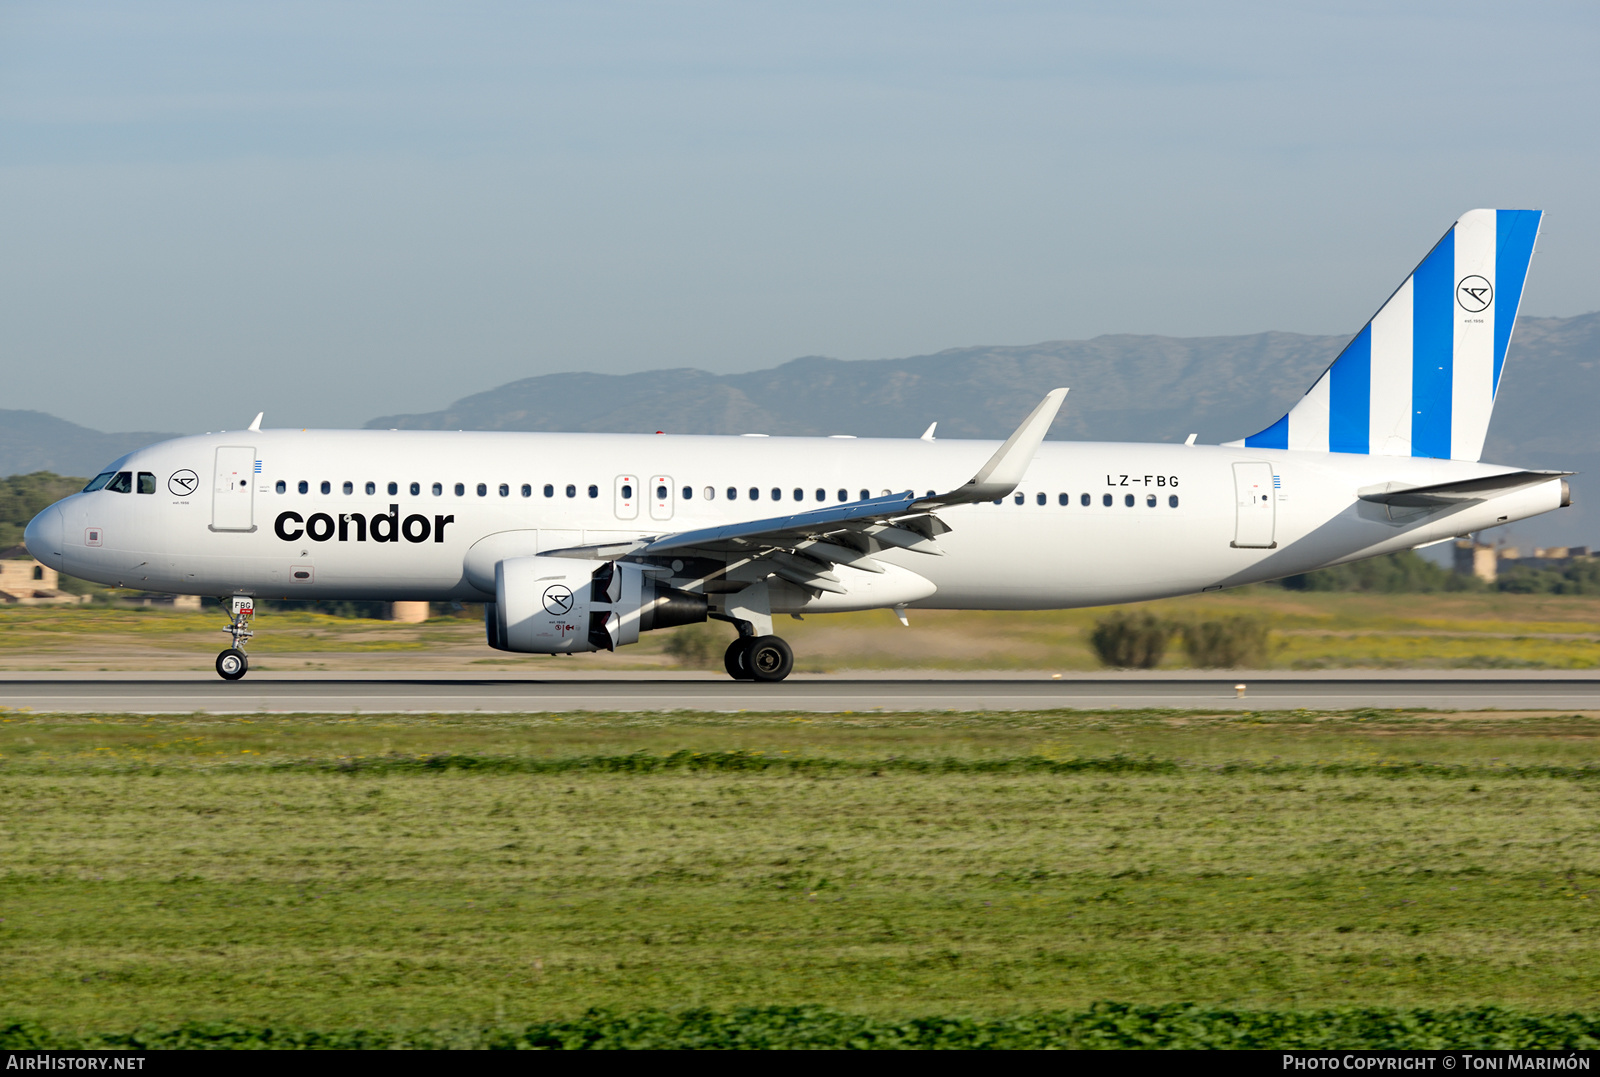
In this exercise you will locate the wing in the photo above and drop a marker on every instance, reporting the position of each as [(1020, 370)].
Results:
[(803, 546)]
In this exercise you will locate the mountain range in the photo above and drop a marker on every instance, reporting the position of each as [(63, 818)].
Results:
[(1124, 388)]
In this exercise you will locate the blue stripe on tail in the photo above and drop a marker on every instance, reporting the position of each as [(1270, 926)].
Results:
[(1515, 232), (1350, 403), (1433, 340), (1275, 436)]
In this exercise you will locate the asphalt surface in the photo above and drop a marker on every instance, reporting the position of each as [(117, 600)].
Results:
[(170, 693)]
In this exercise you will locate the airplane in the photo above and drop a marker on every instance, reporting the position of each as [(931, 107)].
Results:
[(583, 542)]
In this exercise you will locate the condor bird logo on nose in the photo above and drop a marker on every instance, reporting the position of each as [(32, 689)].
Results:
[(1474, 293), (557, 599), (182, 483)]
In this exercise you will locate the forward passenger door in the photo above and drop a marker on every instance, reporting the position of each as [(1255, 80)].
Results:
[(233, 489)]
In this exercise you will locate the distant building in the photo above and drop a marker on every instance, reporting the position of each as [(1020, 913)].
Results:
[(25, 582), (1485, 561), (1476, 559)]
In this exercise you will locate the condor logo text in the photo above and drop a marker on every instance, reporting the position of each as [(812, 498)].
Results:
[(353, 526)]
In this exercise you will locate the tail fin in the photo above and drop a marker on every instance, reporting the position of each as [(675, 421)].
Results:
[(1420, 379)]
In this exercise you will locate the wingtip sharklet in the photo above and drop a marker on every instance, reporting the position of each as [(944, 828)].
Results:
[(1005, 468)]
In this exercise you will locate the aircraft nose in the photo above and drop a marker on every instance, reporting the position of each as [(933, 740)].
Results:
[(43, 536)]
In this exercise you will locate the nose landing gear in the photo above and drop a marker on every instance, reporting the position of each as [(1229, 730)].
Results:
[(233, 663)]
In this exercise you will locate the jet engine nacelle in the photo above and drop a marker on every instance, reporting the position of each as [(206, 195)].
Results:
[(559, 605)]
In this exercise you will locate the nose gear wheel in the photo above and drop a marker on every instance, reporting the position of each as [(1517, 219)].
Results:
[(232, 664)]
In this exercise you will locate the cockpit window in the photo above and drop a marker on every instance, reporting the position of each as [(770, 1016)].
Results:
[(122, 484), (98, 481), (147, 483)]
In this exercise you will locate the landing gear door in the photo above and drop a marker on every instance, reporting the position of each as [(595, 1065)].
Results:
[(660, 497), (1255, 506), (233, 495)]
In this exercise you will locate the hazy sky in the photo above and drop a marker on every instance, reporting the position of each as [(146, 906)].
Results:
[(335, 211)]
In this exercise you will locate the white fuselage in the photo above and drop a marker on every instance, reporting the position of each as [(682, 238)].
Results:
[(1176, 535)]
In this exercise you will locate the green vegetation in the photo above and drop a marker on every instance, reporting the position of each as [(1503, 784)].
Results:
[(22, 497), (981, 878), (1105, 1026)]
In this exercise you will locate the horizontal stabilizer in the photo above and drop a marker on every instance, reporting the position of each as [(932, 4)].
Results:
[(1454, 493)]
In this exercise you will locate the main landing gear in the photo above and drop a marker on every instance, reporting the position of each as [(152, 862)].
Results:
[(758, 658), (233, 663)]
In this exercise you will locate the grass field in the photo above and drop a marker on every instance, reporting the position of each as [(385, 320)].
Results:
[(413, 872), (1312, 630)]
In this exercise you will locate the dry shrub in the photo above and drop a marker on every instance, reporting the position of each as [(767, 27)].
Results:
[(1227, 643), (694, 646), (1131, 640)]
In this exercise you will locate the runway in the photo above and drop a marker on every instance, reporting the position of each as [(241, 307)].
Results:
[(351, 693)]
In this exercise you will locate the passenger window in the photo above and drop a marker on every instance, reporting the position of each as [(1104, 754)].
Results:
[(122, 484), (527, 490), (1127, 499), (1105, 499), (326, 487), (1150, 501), (822, 495), (505, 491), (572, 491), (1040, 498), (281, 486), (349, 487), (147, 482), (1020, 498), (799, 494), (483, 490), (1173, 501), (394, 488), (661, 493), (372, 487), (627, 491), (755, 494), (844, 495), (416, 489), (594, 491), (866, 495), (1084, 500), (1065, 499), (733, 493), (100, 480), (777, 494), (549, 490), (709, 493), (303, 486), (688, 493), (438, 489), (461, 489)]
